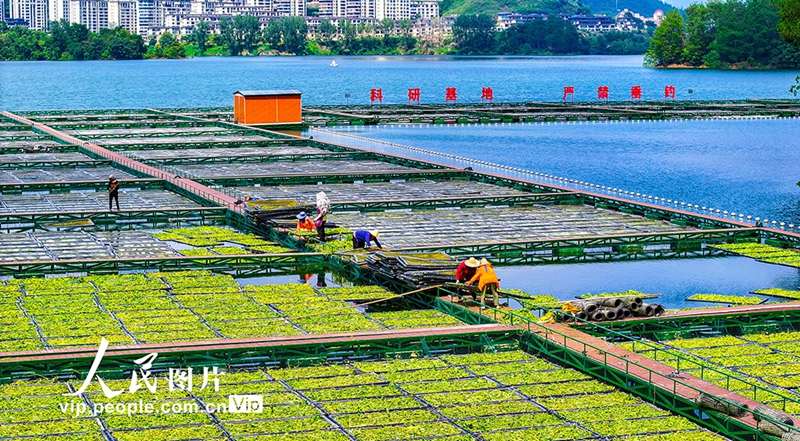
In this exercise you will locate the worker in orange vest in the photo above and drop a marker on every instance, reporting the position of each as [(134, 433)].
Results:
[(487, 281), (304, 223)]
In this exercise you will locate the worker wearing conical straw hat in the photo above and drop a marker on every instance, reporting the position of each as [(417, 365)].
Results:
[(363, 238), (487, 281), (466, 269)]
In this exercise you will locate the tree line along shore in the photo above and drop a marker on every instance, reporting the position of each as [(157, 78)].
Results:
[(738, 34)]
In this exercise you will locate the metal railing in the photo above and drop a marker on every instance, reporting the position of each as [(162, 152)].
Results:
[(668, 382), (174, 178)]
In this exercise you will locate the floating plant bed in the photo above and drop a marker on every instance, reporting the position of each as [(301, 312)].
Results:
[(62, 174), (734, 300), (767, 365), (500, 396), (40, 313), (424, 189), (779, 292), (629, 293), (764, 253)]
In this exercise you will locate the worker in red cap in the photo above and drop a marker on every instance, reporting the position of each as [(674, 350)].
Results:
[(487, 281)]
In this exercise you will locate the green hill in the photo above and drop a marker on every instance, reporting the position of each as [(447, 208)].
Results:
[(643, 7), (460, 7)]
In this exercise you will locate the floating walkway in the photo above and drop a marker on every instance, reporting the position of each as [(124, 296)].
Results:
[(316, 348), (477, 113)]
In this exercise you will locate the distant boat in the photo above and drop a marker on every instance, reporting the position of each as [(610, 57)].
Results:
[(333, 64)]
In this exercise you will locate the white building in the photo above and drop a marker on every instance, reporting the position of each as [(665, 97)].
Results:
[(290, 8), (367, 8), (394, 9), (91, 13), (146, 10), (201, 7), (425, 9), (123, 13), (341, 8), (34, 12), (166, 10), (58, 10), (507, 19)]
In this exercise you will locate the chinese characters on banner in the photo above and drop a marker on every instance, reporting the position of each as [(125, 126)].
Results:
[(413, 95), (487, 94), (602, 93), (569, 90), (376, 95), (636, 93)]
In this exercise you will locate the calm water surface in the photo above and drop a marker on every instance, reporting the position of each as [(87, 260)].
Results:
[(743, 166), (675, 279), (211, 81)]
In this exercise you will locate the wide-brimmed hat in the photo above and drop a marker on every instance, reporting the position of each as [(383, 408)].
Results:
[(111, 177), (375, 233), (472, 262), (484, 262), (302, 215)]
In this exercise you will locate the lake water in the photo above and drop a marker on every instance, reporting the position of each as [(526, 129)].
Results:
[(742, 166), (675, 279), (211, 81)]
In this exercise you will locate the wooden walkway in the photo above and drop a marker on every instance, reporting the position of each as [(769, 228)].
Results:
[(663, 376), (250, 343), (186, 184)]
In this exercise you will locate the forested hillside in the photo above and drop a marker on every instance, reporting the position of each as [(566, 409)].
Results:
[(608, 7), (739, 34), (492, 7), (643, 7)]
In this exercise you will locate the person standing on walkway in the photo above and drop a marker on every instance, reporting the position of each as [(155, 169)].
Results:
[(113, 191), (323, 207), (487, 281), (362, 239)]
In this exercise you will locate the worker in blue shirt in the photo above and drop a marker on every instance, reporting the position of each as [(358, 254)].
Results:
[(362, 239)]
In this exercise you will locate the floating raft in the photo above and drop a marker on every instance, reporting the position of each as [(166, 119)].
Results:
[(543, 112)]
